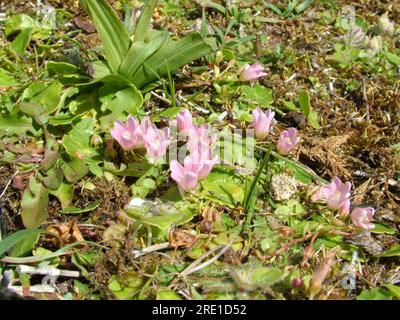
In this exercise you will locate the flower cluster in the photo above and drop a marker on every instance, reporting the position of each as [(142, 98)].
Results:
[(200, 162), (262, 123), (132, 135), (337, 197)]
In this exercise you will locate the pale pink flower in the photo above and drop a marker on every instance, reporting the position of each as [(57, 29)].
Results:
[(252, 72), (185, 176), (362, 217), (128, 135), (287, 141), (317, 195), (262, 122), (336, 194), (184, 120), (202, 162), (344, 209), (157, 141), (200, 138)]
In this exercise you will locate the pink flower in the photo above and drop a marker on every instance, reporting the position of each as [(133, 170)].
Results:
[(287, 141), (336, 194), (262, 122), (252, 72), (128, 135), (317, 195), (200, 138), (362, 217), (157, 141), (202, 162), (185, 176), (184, 120), (344, 209)]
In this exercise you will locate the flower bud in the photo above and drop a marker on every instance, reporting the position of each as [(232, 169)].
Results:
[(297, 283)]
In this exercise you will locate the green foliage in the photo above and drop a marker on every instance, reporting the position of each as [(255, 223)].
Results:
[(258, 94), (34, 204), (151, 55), (76, 211), (375, 294), (18, 237)]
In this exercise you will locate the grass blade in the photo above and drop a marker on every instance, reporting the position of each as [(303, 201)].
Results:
[(111, 30), (249, 199), (143, 23)]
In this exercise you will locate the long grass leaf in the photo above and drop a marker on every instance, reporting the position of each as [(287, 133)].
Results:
[(171, 57), (143, 24), (114, 36), (138, 53), (250, 197)]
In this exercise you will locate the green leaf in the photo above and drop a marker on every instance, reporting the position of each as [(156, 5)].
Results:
[(34, 204), (77, 141), (124, 102), (75, 210), (54, 177), (381, 228), (223, 187), (375, 294), (343, 58), (26, 246), (75, 170), (304, 102), (143, 24), (17, 23), (21, 42), (128, 287), (169, 113), (313, 120), (289, 105), (6, 80), (138, 53), (266, 277), (99, 70), (44, 94), (394, 251), (15, 238), (251, 191), (395, 290), (61, 68), (303, 6), (64, 193), (51, 155), (393, 58), (36, 111), (170, 57), (164, 222), (213, 5), (167, 294), (111, 31), (16, 123), (133, 169), (258, 94)]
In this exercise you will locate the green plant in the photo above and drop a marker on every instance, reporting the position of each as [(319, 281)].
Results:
[(146, 55)]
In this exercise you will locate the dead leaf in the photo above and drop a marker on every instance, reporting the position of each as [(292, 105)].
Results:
[(68, 232), (209, 215), (84, 24), (182, 238)]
